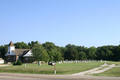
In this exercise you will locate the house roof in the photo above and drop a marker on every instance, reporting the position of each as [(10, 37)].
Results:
[(20, 52), (11, 44)]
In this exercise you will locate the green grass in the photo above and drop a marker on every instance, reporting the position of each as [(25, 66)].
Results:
[(103, 67), (113, 62), (64, 68), (114, 72)]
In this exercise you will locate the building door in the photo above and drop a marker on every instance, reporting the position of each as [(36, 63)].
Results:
[(8, 59)]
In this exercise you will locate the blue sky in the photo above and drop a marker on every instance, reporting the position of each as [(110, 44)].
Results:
[(79, 22)]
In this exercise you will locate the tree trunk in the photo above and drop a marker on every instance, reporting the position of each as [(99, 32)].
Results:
[(39, 63)]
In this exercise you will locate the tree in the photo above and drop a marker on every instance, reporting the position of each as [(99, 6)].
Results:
[(102, 54), (32, 44), (82, 55), (39, 53), (21, 45), (53, 51), (91, 53), (58, 56), (71, 52), (49, 46), (62, 51), (109, 55), (3, 51), (116, 51)]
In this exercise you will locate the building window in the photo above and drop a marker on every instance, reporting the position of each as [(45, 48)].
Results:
[(26, 58), (14, 58), (8, 59)]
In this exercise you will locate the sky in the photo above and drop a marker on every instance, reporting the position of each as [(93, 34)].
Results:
[(79, 22)]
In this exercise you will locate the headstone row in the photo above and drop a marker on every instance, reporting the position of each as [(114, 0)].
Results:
[(79, 61)]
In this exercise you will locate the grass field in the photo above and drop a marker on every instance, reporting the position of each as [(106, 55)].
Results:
[(114, 72), (64, 68), (103, 67), (113, 62)]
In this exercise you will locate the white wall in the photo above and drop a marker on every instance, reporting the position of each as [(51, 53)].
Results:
[(28, 54), (1, 61), (10, 48)]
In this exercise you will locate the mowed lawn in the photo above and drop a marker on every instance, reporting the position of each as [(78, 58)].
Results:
[(113, 62), (114, 72), (64, 68)]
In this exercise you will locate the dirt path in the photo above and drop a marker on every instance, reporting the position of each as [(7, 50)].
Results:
[(96, 70), (4, 65), (16, 76)]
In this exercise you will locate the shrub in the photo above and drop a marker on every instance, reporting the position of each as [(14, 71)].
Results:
[(17, 63), (4, 62)]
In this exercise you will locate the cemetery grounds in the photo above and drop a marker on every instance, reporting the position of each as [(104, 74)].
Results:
[(69, 67), (113, 72)]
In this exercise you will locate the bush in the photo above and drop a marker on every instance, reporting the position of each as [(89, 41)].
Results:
[(17, 63), (4, 62)]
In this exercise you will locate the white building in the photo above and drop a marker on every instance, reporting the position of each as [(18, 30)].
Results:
[(1, 61)]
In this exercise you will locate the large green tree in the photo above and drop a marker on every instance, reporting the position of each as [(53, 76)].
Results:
[(91, 53), (39, 53), (71, 52), (53, 51)]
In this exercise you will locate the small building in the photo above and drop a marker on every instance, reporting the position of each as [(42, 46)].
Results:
[(13, 54), (1, 61)]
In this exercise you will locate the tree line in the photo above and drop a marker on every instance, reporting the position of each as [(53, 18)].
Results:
[(52, 52)]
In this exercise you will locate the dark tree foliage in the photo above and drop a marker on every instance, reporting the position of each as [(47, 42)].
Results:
[(82, 56), (21, 45), (32, 44), (91, 53), (3, 51), (70, 52), (53, 51)]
